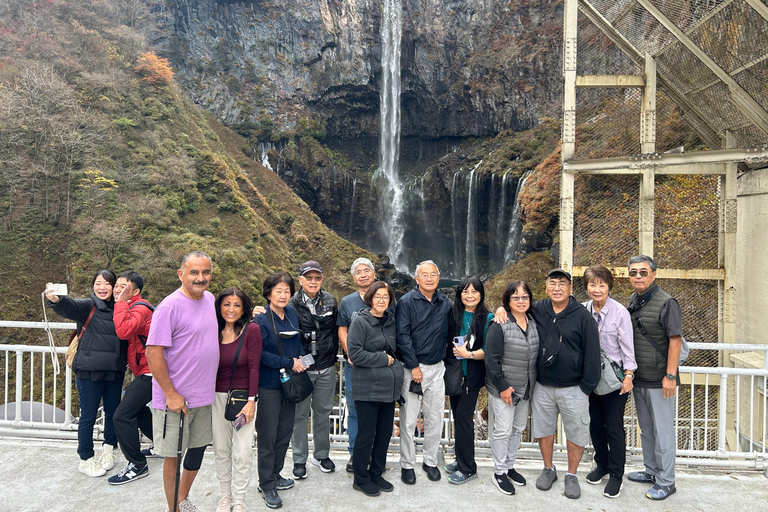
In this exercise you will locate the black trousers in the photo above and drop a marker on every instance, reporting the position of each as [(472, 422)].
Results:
[(606, 427), (133, 415), (274, 427), (374, 430), (463, 407)]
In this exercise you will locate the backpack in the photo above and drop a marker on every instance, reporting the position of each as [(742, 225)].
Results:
[(143, 339)]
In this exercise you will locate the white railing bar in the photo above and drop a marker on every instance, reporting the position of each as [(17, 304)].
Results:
[(19, 371), (723, 412), (31, 348), (763, 440), (722, 370), (747, 347), (737, 380), (37, 325), (752, 413)]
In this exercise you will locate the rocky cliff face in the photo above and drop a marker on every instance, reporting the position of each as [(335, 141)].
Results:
[(469, 67)]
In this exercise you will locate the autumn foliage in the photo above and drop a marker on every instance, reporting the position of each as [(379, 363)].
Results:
[(154, 69)]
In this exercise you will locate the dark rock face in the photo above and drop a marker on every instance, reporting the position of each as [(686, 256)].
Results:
[(469, 67)]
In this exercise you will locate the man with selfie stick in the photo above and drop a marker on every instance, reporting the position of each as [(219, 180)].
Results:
[(183, 356), (422, 337)]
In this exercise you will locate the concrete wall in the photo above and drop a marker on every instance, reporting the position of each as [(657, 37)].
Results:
[(752, 258)]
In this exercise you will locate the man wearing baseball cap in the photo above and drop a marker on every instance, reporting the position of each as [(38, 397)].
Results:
[(317, 311), (568, 370)]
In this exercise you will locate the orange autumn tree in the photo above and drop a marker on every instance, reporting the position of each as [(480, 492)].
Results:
[(154, 69)]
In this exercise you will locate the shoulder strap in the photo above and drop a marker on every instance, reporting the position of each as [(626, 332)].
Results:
[(274, 331), (87, 320), (237, 354), (142, 303)]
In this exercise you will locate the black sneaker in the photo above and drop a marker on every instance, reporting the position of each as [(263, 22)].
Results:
[(596, 475), (151, 453), (128, 474), (299, 471), (516, 477), (384, 485), (272, 499), (503, 484), (283, 483), (368, 488), (326, 465), (350, 466), (613, 488)]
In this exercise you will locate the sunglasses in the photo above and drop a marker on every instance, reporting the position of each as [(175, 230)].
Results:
[(522, 298), (312, 278), (642, 272)]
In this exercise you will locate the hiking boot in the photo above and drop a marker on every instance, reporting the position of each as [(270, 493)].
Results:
[(299, 471), (326, 465), (107, 458), (272, 499), (92, 467), (384, 485), (547, 477), (187, 506), (459, 478), (660, 492), (150, 452), (642, 477), (225, 503), (613, 488), (572, 488), (283, 483), (596, 475), (368, 488), (350, 466), (128, 474), (452, 467), (503, 484), (516, 477)]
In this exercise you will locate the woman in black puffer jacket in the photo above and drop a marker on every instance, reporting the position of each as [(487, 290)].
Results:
[(376, 381), (99, 366)]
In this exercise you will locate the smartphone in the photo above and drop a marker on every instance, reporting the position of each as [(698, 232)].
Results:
[(59, 289), (459, 340), (239, 421), (307, 360)]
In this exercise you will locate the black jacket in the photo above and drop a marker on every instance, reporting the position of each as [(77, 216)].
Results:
[(578, 359), (368, 344), (323, 324), (422, 328), (100, 351)]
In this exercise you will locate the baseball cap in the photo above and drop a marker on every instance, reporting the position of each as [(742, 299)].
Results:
[(309, 266), (559, 272)]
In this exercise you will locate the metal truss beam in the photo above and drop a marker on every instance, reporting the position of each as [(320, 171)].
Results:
[(595, 81), (695, 162), (706, 131), (709, 274), (740, 97)]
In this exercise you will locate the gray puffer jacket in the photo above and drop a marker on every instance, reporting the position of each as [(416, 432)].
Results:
[(510, 358), (368, 343)]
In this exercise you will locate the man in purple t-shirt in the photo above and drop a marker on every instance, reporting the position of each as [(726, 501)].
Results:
[(183, 356)]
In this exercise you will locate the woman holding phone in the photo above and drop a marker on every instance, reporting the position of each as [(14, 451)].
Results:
[(467, 325), (99, 366), (510, 360), (239, 348)]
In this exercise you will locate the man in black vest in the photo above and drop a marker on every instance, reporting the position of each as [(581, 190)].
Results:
[(658, 323), (317, 311)]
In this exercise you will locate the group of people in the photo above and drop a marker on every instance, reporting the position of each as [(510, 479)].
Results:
[(196, 357)]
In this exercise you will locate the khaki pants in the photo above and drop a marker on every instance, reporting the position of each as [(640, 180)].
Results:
[(232, 452), (433, 406)]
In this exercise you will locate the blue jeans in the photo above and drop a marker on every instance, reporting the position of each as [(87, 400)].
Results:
[(92, 392), (352, 418)]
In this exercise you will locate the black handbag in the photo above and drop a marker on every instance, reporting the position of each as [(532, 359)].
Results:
[(298, 386), (236, 398), (453, 376)]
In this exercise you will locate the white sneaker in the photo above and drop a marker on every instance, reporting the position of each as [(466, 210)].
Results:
[(187, 506), (92, 467), (225, 503), (238, 507), (107, 456)]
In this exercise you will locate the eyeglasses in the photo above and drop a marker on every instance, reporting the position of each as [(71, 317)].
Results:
[(522, 298), (312, 278), (365, 271), (433, 275), (557, 284), (381, 298), (642, 272)]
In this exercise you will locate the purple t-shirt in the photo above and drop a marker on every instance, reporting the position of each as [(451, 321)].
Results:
[(188, 330)]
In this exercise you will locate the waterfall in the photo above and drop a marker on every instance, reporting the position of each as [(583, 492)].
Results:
[(494, 217), (515, 227), (352, 208), (455, 226), (389, 147), (470, 247), (499, 239), (264, 148), (423, 201)]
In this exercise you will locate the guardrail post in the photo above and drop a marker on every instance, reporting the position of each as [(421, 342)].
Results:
[(723, 416), (19, 370)]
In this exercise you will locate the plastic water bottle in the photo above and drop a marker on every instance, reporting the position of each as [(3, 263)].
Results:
[(284, 375)]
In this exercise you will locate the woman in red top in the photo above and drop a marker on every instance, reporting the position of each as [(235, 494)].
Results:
[(232, 449)]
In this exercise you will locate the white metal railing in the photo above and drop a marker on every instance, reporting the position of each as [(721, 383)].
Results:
[(720, 421)]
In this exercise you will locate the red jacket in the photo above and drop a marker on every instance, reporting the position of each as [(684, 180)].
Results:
[(132, 322)]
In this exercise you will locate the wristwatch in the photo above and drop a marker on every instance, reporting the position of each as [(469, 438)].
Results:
[(471, 354), (671, 376), (630, 375)]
